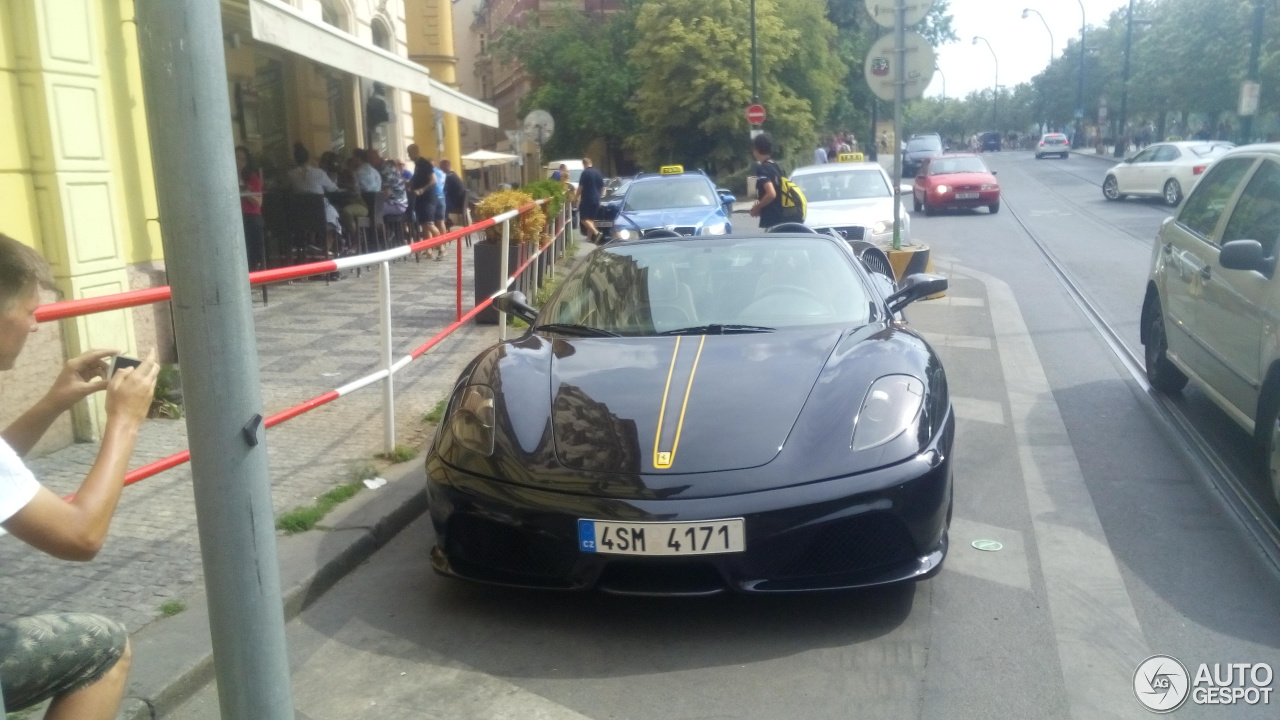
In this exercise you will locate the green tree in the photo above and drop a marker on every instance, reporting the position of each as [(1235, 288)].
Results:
[(693, 62), (580, 72)]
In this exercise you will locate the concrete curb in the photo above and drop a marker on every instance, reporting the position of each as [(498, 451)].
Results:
[(173, 657), (1090, 154)]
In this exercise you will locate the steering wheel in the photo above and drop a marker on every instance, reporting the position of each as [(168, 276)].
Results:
[(792, 227), (766, 306), (660, 233), (793, 290), (669, 312)]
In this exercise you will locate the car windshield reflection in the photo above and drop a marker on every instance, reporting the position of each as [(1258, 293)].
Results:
[(846, 185), (951, 166), (712, 287), (670, 193)]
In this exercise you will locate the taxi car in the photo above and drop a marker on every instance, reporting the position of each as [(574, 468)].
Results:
[(1165, 170), (955, 181), (854, 199), (686, 203), (1211, 313), (690, 415), (610, 204)]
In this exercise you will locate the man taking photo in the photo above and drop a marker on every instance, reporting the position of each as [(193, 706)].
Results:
[(78, 660)]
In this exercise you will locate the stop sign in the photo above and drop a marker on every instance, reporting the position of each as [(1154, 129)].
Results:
[(755, 114)]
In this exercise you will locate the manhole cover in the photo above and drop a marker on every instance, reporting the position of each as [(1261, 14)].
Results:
[(987, 545)]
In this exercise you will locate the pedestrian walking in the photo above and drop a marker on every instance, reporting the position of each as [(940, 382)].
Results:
[(587, 198), (820, 156), (251, 208), (422, 188), (455, 196), (768, 205), (440, 210), (78, 660)]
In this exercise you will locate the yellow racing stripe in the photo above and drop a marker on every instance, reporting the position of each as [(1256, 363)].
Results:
[(664, 459)]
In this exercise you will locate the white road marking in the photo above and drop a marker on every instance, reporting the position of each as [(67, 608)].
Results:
[(968, 342), (950, 299), (1100, 642)]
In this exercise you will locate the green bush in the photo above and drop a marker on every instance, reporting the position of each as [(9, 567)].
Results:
[(548, 188)]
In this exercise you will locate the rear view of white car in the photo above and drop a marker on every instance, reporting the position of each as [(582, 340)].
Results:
[(1167, 170), (853, 199), (1053, 144)]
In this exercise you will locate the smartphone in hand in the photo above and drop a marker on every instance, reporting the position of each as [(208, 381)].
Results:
[(120, 361)]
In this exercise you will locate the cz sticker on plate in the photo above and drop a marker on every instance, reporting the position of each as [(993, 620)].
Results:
[(703, 537)]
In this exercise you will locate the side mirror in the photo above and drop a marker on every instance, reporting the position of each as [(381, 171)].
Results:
[(727, 198), (1245, 255), (993, 172), (916, 287), (514, 303), (1129, 159)]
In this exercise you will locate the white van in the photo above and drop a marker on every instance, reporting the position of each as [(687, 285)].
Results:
[(575, 170)]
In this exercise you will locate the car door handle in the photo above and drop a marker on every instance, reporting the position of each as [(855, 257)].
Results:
[(1167, 249), (1206, 272)]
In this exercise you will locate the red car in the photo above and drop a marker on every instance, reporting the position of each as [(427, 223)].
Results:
[(955, 181)]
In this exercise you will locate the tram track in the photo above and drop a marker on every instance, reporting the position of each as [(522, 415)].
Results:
[(1218, 474)]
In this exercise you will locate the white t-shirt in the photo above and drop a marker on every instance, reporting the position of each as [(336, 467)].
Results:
[(17, 484)]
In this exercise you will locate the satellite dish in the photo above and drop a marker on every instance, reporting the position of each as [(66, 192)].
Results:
[(538, 126)]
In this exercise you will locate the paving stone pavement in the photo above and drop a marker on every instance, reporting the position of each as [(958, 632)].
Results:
[(312, 337)]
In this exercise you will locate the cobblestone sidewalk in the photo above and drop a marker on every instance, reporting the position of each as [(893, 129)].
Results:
[(312, 337)]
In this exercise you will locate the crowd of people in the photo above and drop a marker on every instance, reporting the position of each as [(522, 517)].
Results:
[(837, 145), (430, 196)]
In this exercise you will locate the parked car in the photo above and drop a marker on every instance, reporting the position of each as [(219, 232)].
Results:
[(918, 149), (1053, 144), (955, 181), (574, 166), (686, 203), (1212, 308), (1167, 170), (853, 199), (610, 204), (694, 415)]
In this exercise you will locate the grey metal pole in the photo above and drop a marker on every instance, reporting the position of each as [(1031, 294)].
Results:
[(504, 261), (384, 344), (1075, 140), (1259, 15), (189, 120), (755, 74), (899, 87), (1122, 135)]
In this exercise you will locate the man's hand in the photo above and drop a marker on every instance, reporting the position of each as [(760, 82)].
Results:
[(82, 376), (754, 211), (131, 391)]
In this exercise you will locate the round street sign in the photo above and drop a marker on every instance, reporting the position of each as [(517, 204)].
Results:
[(882, 11), (755, 115), (919, 66)]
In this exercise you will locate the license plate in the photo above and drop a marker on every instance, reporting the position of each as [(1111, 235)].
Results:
[(705, 537), (966, 196), (603, 223)]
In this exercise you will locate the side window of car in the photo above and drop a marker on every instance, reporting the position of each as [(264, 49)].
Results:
[(1257, 212), (1146, 155), (1201, 212), (1166, 153), (924, 168)]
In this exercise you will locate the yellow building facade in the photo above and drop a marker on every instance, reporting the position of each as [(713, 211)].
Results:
[(75, 161)]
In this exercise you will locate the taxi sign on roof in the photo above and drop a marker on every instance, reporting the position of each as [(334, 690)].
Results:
[(850, 157), (671, 170)]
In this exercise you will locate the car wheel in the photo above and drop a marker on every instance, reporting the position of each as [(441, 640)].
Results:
[(994, 207), (1065, 156), (915, 202), (929, 210), (1161, 372), (1172, 192), (1038, 156), (1272, 450), (1111, 188)]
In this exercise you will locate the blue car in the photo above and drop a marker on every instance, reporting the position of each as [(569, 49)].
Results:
[(686, 203)]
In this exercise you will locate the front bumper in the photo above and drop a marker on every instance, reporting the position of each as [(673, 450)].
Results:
[(884, 526), (949, 199)]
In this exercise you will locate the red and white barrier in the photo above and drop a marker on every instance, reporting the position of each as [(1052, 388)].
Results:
[(383, 258)]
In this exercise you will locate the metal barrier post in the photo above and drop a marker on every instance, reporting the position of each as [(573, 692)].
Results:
[(388, 385), (184, 72), (458, 304), (505, 264)]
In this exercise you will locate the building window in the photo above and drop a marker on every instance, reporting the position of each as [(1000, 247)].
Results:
[(337, 127)]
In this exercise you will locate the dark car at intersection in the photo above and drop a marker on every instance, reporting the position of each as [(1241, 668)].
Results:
[(692, 415)]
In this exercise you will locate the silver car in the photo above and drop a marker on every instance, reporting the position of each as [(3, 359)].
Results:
[(854, 199), (1212, 308)]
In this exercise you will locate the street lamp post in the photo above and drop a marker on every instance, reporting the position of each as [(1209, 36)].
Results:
[(995, 86), (1251, 75), (755, 73), (1122, 134), (1075, 140), (944, 81), (1044, 100)]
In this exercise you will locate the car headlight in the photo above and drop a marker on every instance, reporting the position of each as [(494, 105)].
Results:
[(941, 189), (716, 229), (625, 234), (890, 407), (990, 186), (472, 422), (881, 227)]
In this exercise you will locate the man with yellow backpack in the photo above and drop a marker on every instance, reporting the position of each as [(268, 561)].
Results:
[(778, 199)]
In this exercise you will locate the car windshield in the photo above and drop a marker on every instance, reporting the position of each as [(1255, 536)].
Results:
[(617, 188), (923, 143), (664, 193), (857, 184), (575, 174), (1055, 139), (1211, 150), (712, 286), (950, 166)]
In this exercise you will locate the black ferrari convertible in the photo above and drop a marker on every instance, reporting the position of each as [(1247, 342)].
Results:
[(695, 414)]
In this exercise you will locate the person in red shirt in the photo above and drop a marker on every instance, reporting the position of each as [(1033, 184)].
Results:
[(251, 208)]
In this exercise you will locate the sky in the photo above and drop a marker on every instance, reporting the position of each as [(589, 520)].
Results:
[(1021, 46)]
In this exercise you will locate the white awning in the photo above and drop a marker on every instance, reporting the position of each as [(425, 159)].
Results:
[(278, 24)]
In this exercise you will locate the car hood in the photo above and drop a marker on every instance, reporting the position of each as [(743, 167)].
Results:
[(971, 178), (606, 392), (838, 213), (680, 217)]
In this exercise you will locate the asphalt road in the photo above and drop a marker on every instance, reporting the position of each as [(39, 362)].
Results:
[(1113, 548)]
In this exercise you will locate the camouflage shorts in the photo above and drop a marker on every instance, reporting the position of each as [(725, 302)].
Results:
[(44, 656)]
